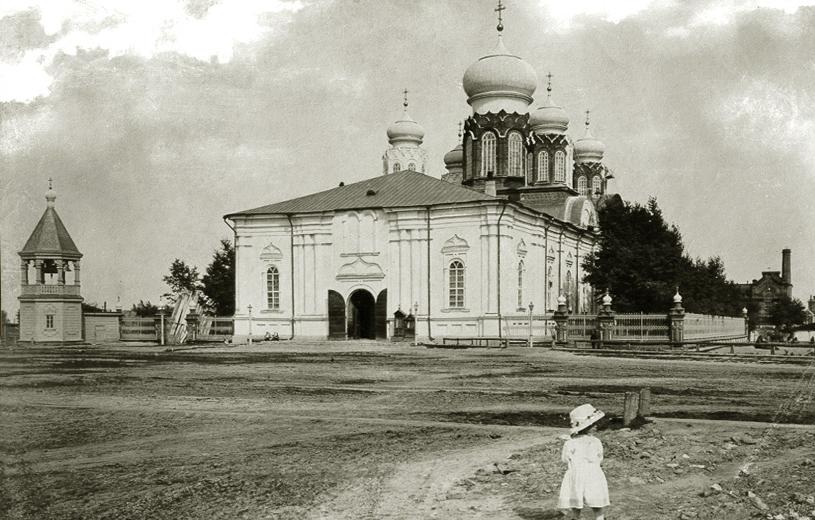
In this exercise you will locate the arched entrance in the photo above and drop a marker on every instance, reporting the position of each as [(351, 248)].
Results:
[(361, 315), (336, 315)]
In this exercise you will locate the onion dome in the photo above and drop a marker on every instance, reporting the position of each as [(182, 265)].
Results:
[(500, 81), (405, 130), (549, 118), (454, 156), (588, 148)]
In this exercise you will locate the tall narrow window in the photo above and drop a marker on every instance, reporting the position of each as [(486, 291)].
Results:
[(543, 166), (560, 166), (468, 158), (596, 185), (529, 165), (516, 154), (520, 284), (488, 154), (273, 288), (49, 321), (456, 284), (411, 167), (582, 185), (396, 167)]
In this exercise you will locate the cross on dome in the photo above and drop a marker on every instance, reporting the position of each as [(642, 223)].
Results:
[(459, 130), (500, 10), (405, 102), (549, 83), (587, 118), (50, 180)]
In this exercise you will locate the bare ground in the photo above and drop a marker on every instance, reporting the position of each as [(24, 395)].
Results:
[(364, 430)]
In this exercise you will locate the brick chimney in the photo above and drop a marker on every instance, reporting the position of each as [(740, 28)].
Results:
[(786, 274)]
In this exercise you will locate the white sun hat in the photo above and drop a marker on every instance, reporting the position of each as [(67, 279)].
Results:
[(584, 416)]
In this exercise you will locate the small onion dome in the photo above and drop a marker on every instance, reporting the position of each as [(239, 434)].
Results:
[(607, 298), (589, 149), (677, 296), (549, 118), (455, 156), (501, 77), (561, 300), (405, 130)]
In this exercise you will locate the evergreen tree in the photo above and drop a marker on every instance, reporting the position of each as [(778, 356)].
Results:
[(144, 309), (219, 280), (787, 312)]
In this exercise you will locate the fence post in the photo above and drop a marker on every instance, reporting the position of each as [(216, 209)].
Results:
[(605, 320), (561, 317), (676, 317), (644, 409), (630, 408)]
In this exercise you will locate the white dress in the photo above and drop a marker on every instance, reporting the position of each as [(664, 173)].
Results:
[(584, 483)]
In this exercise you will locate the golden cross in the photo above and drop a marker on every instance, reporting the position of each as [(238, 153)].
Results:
[(405, 102), (549, 85)]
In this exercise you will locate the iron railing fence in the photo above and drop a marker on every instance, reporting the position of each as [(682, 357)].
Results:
[(641, 327), (581, 326), (701, 326)]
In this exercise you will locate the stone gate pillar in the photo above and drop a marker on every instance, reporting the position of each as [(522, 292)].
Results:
[(605, 319), (561, 317), (676, 317)]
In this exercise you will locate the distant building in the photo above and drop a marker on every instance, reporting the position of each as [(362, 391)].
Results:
[(770, 288), (50, 302)]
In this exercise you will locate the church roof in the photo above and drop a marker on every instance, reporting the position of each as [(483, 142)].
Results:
[(402, 189), (50, 237)]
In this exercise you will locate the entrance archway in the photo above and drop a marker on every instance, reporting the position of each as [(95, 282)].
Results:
[(336, 315), (361, 315)]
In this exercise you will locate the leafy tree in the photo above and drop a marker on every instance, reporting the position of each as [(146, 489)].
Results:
[(145, 309), (182, 278), (219, 280), (787, 312)]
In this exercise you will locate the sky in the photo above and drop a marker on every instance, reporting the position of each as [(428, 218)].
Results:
[(156, 118)]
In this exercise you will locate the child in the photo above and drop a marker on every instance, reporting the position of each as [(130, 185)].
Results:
[(584, 483)]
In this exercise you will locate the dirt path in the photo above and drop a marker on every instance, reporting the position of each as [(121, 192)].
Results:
[(428, 488)]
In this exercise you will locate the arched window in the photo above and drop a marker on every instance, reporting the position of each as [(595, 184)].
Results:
[(560, 166), (520, 284), (596, 185), (516, 154), (543, 166), (582, 185), (396, 167), (272, 288), (412, 167), (488, 154), (456, 284)]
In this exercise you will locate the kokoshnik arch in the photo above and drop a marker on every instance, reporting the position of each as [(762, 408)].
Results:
[(509, 223)]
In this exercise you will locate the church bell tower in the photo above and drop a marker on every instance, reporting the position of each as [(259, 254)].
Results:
[(405, 138), (50, 300)]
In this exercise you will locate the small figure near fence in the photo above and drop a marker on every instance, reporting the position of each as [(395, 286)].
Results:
[(584, 483), (271, 336)]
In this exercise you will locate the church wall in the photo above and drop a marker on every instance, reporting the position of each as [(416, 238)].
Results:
[(374, 250)]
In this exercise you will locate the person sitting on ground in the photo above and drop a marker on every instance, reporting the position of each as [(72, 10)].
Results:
[(584, 483)]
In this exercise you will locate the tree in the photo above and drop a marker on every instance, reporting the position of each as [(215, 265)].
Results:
[(642, 261), (219, 280), (182, 278), (787, 312), (91, 307), (145, 309)]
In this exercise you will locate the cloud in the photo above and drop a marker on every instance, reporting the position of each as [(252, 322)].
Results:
[(124, 27)]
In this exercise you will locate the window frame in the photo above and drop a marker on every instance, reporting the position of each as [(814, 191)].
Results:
[(560, 166), (515, 154), (489, 146), (456, 284), (542, 171), (272, 293)]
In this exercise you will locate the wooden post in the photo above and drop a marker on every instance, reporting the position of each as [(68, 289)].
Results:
[(630, 408), (645, 402), (732, 350)]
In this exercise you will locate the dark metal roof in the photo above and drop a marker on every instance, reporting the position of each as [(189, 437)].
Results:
[(402, 189), (50, 237)]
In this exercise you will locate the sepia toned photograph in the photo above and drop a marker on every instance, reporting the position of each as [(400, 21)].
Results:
[(429, 259)]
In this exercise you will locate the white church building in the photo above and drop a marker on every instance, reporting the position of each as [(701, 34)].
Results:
[(509, 224)]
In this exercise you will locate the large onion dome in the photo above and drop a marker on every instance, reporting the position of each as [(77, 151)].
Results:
[(500, 81), (588, 148), (549, 118), (405, 130)]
